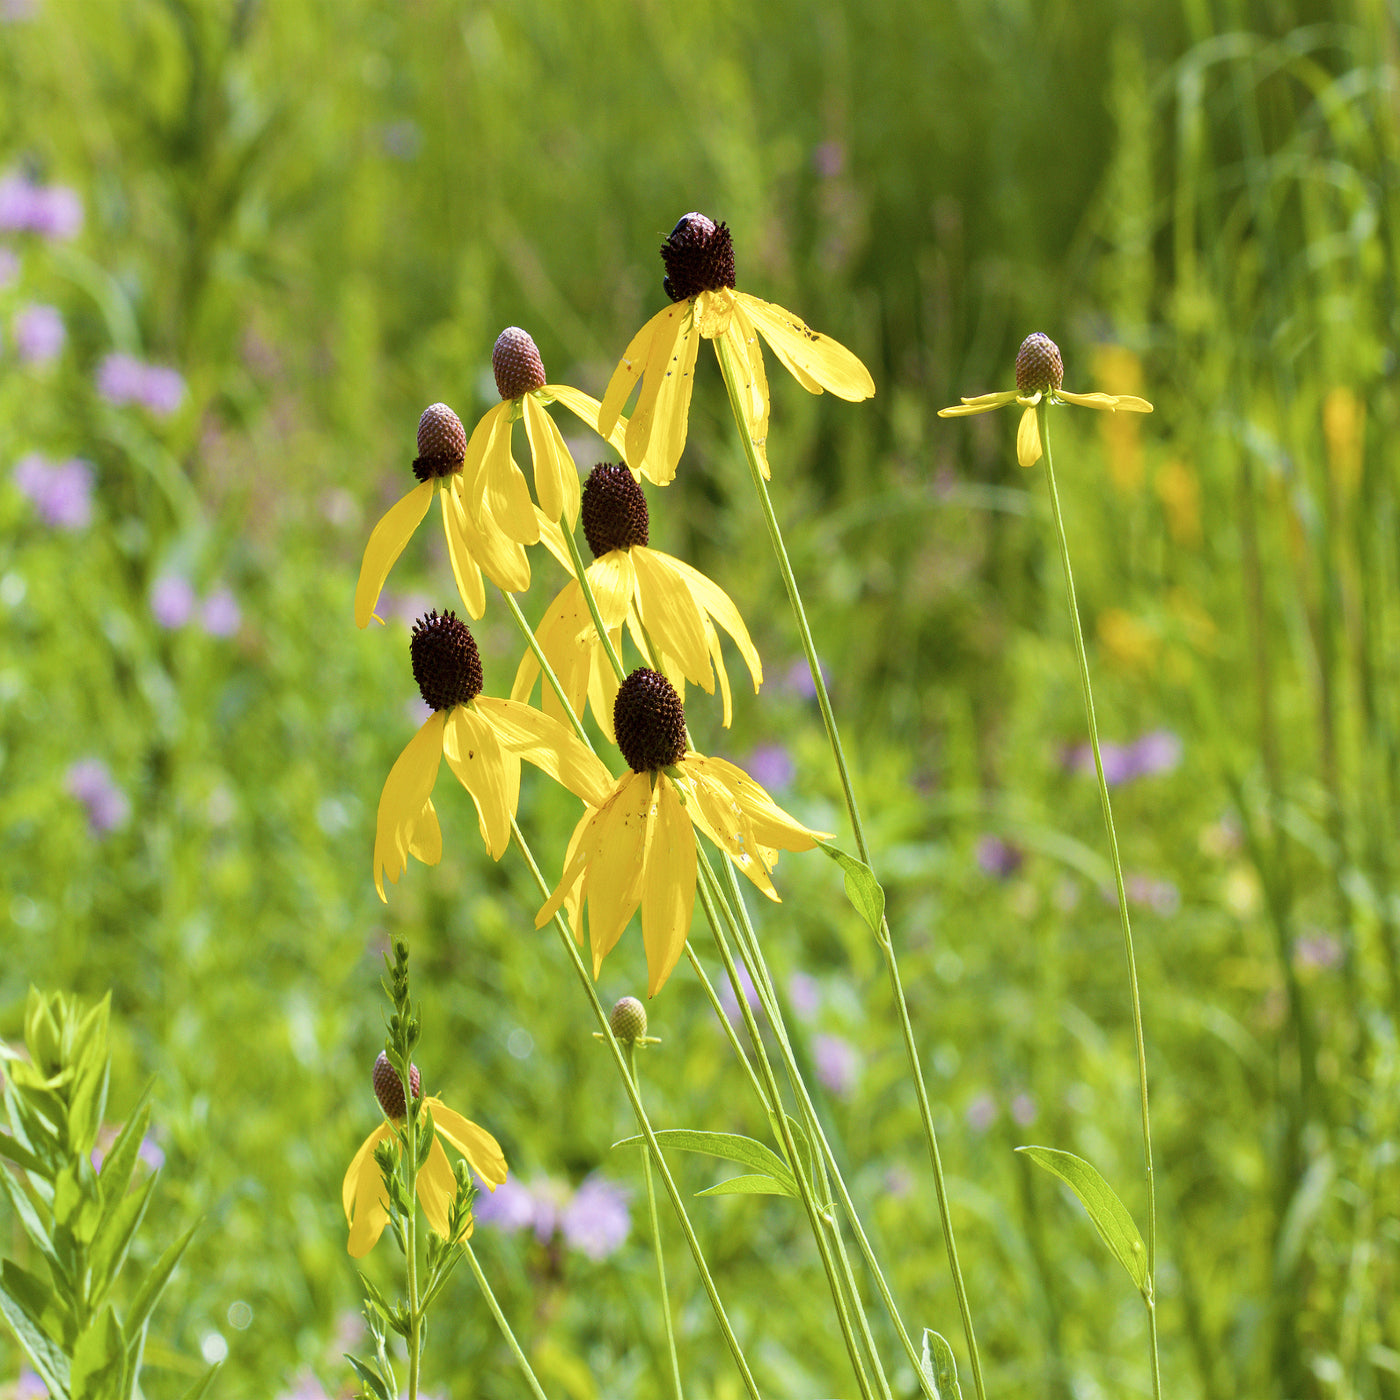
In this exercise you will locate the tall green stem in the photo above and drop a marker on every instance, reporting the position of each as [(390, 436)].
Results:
[(415, 1315), (581, 573), (732, 384), (1149, 1295), (545, 668), (520, 1359)]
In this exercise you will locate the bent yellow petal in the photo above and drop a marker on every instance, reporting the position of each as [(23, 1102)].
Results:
[(804, 352), (711, 598), (437, 1188), (487, 771), (613, 880), (613, 579), (1028, 439), (668, 890), (385, 545), (502, 559), (482, 1151), (657, 430), (629, 370), (550, 745), (406, 823), (556, 476), (589, 410), (363, 1197), (457, 529), (581, 845), (669, 611)]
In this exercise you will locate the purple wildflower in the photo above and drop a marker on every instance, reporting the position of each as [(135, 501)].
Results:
[(220, 615), (771, 766), (596, 1221), (39, 334), (805, 994), (172, 601), (52, 211), (29, 1386), (60, 491), (797, 679), (9, 265), (1321, 950), (998, 857), (1023, 1110), (123, 379), (305, 1387), (1158, 751), (829, 159), (510, 1207), (982, 1112), (837, 1063), (729, 998), (90, 781)]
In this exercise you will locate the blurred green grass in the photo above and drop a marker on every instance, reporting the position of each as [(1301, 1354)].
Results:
[(323, 215)]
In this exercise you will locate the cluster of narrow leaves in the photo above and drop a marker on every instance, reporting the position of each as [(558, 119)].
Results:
[(80, 1219)]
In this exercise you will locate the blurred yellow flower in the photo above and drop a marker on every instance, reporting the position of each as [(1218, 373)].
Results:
[(1039, 375), (636, 848), (362, 1193), (473, 544), (660, 599), (699, 258), (483, 739)]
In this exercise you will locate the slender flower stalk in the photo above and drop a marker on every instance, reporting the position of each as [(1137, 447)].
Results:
[(1149, 1295), (734, 384), (506, 1333)]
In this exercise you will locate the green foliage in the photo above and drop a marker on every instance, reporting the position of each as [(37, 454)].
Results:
[(79, 1217)]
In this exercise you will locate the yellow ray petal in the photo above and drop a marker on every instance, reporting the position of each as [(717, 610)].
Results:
[(772, 825), (670, 613), (715, 812), (657, 429), (1028, 439), (507, 492), (714, 600), (552, 537), (556, 476), (423, 836), (603, 683), (457, 528), (502, 559), (1130, 403), (363, 1196), (406, 816), (487, 771), (437, 1188), (582, 844), (549, 745), (800, 348), (613, 579), (481, 1150), (668, 892), (980, 403), (721, 672), (479, 445), (385, 545), (590, 410), (563, 637), (748, 352), (629, 370), (613, 881)]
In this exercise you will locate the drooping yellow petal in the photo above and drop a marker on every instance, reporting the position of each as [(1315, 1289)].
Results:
[(747, 354), (721, 673), (482, 1151), (487, 771), (495, 486), (465, 570), (656, 431), (715, 811), (603, 682), (502, 559), (668, 891), (472, 485), (385, 545), (1129, 403), (981, 403), (629, 370), (772, 825), (406, 821), (589, 410), (711, 598), (556, 476), (363, 1196), (566, 893), (670, 613), (806, 353), (550, 745), (613, 579), (613, 880), (566, 637), (552, 537), (437, 1188), (1028, 439)]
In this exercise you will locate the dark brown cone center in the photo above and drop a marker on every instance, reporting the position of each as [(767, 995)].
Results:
[(614, 510), (1039, 368), (388, 1087), (442, 443), (699, 257), (649, 722), (446, 663)]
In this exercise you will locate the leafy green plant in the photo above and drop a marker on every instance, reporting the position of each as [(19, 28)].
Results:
[(80, 1217)]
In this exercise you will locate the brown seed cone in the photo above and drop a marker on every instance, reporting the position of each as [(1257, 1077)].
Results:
[(442, 443), (388, 1087), (516, 363), (649, 721), (1038, 365), (446, 663)]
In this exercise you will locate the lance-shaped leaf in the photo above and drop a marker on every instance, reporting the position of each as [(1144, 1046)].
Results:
[(98, 1360), (940, 1368), (1109, 1214), (154, 1283), (754, 1185), (862, 888), (370, 1377), (45, 1355), (732, 1147)]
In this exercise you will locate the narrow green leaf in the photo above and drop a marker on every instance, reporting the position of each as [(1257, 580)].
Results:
[(940, 1368), (109, 1248), (36, 1296), (756, 1185), (1109, 1214), (23, 1207), (370, 1378), (426, 1132), (98, 1358), (733, 1147), (89, 1103), (120, 1160), (201, 1387), (862, 888), (154, 1283), (376, 1299), (21, 1156), (45, 1355)]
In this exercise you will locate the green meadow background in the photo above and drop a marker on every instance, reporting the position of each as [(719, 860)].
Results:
[(321, 215)]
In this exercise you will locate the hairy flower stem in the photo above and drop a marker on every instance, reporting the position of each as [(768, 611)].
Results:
[(1149, 1292), (630, 1050), (506, 1333), (732, 383), (751, 950), (581, 573), (643, 1122), (711, 896), (415, 1316)]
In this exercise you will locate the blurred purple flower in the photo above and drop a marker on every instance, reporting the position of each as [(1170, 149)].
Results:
[(837, 1063), (829, 159), (60, 491), (805, 994), (1158, 751), (1160, 896), (29, 1386), (1321, 950), (729, 999), (797, 679), (90, 781), (899, 1181), (149, 1153), (982, 1112), (9, 265), (510, 1207), (596, 1221), (220, 615), (123, 379), (771, 766), (39, 334), (172, 601), (1023, 1110), (52, 211), (998, 857), (306, 1387)]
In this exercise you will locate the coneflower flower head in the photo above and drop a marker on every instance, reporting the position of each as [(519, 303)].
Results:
[(628, 1020), (1038, 365), (388, 1087), (516, 363), (442, 443), (649, 721), (446, 663), (614, 510), (699, 257)]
